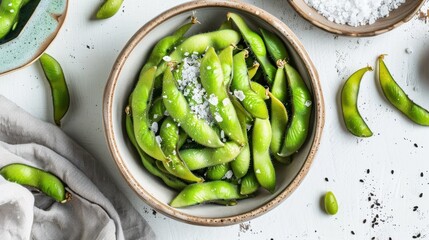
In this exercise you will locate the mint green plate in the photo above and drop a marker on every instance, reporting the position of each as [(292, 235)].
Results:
[(39, 23)]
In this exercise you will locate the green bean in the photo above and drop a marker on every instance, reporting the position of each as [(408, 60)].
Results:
[(279, 120), (217, 172), (240, 82), (46, 182), (9, 14), (262, 164), (275, 46), (349, 98), (259, 89), (148, 162), (213, 82), (170, 137), (140, 101), (398, 98), (256, 44), (108, 9), (253, 70), (199, 43), (60, 94), (249, 184), (157, 110), (198, 193), (240, 165), (226, 59), (331, 204), (207, 157), (176, 105), (301, 104)]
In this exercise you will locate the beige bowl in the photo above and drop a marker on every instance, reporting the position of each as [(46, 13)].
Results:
[(123, 78), (396, 18)]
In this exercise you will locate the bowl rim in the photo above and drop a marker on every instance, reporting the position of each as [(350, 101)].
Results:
[(60, 18), (108, 112), (371, 33)]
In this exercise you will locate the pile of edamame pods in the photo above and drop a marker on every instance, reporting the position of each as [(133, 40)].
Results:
[(210, 113)]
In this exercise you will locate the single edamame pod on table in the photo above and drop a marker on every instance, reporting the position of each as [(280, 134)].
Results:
[(141, 99), (148, 162), (301, 102), (169, 134), (398, 98), (108, 9), (349, 100), (46, 182), (178, 108), (262, 164), (60, 93), (9, 14), (221, 108), (256, 44), (198, 193)]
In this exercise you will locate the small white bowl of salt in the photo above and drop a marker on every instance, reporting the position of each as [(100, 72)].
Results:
[(357, 18)]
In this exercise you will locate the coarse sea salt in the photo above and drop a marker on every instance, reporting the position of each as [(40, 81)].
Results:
[(354, 12)]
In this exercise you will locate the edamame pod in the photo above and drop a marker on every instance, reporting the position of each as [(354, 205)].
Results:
[(279, 120), (398, 98), (226, 60), (349, 99), (108, 9), (259, 89), (9, 14), (262, 164), (140, 101), (253, 70), (301, 104), (157, 110), (256, 44), (148, 162), (249, 184), (275, 46), (226, 25), (217, 172), (240, 165), (170, 137), (241, 86), (207, 157), (60, 93), (46, 182), (222, 109), (198, 193), (177, 106)]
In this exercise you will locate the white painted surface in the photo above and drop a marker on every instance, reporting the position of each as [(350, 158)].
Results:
[(88, 48)]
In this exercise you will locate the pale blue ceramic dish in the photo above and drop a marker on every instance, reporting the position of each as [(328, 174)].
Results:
[(40, 22)]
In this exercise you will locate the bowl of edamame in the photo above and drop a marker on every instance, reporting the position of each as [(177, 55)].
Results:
[(213, 112)]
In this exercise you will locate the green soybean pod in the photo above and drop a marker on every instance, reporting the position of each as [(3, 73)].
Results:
[(198, 193), (46, 182), (249, 184), (177, 106), (157, 110), (60, 93), (253, 70), (150, 164), (398, 98), (141, 99), (279, 120), (217, 172), (226, 25), (275, 46), (240, 165), (262, 164), (259, 89), (256, 44), (226, 59), (108, 9), (301, 102), (349, 100), (331, 204), (212, 79), (9, 14), (207, 157)]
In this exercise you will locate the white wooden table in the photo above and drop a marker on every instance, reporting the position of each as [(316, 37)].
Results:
[(396, 156)]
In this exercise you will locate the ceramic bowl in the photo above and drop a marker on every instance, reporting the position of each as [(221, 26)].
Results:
[(123, 77), (40, 21), (396, 18)]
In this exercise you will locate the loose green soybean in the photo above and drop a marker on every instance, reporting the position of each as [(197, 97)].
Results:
[(9, 14), (331, 204), (60, 93), (198, 193), (46, 182), (301, 103), (109, 8), (349, 99), (398, 98)]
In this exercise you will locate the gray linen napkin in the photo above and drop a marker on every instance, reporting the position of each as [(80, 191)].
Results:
[(98, 209)]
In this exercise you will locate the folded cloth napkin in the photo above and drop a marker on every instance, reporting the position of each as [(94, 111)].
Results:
[(97, 209)]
